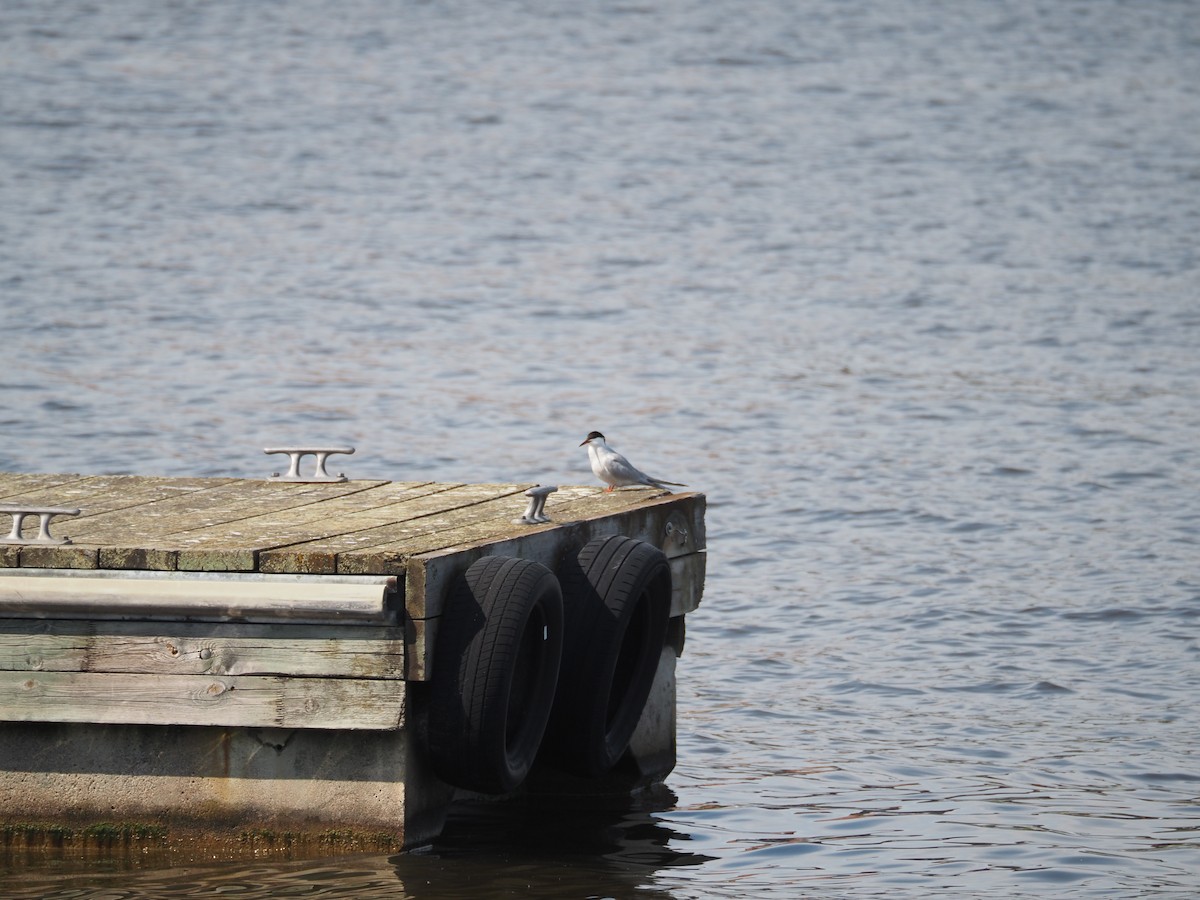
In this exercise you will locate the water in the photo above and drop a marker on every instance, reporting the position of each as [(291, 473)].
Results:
[(909, 289)]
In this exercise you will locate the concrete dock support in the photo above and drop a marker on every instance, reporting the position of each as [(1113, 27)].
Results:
[(222, 781)]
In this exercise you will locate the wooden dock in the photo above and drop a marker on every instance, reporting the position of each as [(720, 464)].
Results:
[(221, 653)]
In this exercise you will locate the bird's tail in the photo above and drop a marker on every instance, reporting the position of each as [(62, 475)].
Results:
[(658, 482)]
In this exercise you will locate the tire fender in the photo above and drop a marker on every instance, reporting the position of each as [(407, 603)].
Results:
[(617, 602), (496, 665)]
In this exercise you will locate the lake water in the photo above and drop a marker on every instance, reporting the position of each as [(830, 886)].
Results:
[(909, 289)]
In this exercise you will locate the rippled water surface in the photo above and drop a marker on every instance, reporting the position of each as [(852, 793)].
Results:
[(908, 289)]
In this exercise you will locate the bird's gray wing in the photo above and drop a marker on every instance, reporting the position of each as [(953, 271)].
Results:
[(642, 478), (622, 468)]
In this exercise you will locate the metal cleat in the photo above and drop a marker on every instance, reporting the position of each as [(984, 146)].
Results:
[(45, 513), (535, 513), (319, 476)]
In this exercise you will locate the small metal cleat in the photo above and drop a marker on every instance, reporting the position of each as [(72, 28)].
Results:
[(535, 513), (45, 513), (296, 453)]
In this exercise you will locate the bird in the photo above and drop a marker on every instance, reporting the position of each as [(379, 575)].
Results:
[(614, 469)]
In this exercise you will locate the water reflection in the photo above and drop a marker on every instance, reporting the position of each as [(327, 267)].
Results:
[(533, 847), (553, 847)]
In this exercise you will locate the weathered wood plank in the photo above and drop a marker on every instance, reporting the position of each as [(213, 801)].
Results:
[(243, 701), (159, 530), (96, 495), (59, 557), (378, 504), (248, 598), (217, 559), (687, 582), (15, 485), (211, 554), (416, 517), (157, 648), (339, 515), (151, 559), (223, 502)]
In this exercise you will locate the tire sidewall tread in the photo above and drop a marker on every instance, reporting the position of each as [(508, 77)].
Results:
[(476, 657), (611, 578)]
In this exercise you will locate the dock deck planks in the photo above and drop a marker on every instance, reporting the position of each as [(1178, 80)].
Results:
[(241, 525)]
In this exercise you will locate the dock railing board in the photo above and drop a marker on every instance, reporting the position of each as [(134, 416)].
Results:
[(288, 623)]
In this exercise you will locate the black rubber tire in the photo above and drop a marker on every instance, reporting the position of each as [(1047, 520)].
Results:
[(495, 670), (617, 594)]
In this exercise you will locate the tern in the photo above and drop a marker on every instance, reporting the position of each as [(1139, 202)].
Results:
[(614, 469)]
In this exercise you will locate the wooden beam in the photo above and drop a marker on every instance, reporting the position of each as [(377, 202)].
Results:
[(194, 648), (34, 556), (247, 701), (249, 598), (491, 524), (687, 582)]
